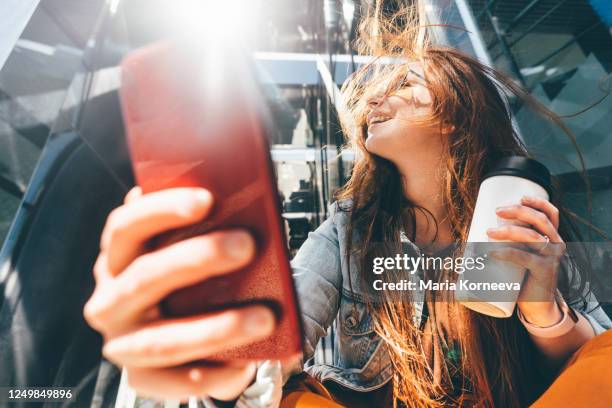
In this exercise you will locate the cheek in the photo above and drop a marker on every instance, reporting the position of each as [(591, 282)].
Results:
[(422, 96), (418, 107)]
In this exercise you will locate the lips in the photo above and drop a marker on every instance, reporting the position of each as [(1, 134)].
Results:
[(377, 119)]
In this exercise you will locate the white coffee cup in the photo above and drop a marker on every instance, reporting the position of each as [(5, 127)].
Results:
[(511, 179)]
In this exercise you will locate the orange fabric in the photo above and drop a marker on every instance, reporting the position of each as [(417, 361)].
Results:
[(586, 380), (303, 391), (307, 399)]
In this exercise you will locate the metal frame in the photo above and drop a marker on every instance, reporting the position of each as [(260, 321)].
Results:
[(568, 43), (487, 6), (533, 26), (501, 40), (517, 19), (506, 47), (474, 31)]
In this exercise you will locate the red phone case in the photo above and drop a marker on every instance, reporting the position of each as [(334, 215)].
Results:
[(192, 121)]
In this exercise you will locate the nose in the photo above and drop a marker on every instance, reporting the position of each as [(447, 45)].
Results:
[(375, 99)]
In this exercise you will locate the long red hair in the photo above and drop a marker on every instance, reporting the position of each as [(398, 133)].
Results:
[(496, 367)]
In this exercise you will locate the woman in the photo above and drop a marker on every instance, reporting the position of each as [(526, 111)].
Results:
[(427, 130)]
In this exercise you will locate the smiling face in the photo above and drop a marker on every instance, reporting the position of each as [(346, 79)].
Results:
[(397, 117)]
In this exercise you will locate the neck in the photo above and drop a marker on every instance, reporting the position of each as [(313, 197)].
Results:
[(423, 186)]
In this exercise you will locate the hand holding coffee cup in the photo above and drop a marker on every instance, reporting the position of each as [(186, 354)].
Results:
[(513, 206), (536, 222)]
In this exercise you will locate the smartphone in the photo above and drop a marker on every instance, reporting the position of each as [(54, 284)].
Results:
[(196, 119)]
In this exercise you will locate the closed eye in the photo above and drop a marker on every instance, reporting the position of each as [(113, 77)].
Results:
[(403, 83), (416, 74), (406, 83)]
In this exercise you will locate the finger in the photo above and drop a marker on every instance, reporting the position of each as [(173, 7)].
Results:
[(130, 226), (515, 233), (133, 194), (529, 238), (179, 383), (100, 270), (541, 278), (519, 257), (153, 276), (537, 219), (179, 341), (545, 206)]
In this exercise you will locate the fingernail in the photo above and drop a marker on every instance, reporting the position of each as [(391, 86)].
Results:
[(195, 203), (237, 244), (503, 208), (203, 197), (492, 230), (526, 198), (258, 321)]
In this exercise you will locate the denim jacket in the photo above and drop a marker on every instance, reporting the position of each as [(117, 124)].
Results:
[(361, 362)]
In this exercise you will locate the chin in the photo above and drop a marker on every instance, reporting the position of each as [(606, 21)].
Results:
[(378, 147)]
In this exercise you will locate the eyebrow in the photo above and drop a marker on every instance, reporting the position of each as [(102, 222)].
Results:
[(416, 74)]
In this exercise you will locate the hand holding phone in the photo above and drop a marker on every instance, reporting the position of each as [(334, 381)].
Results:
[(157, 351)]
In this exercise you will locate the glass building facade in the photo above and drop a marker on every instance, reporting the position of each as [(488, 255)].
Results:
[(41, 50), (561, 52)]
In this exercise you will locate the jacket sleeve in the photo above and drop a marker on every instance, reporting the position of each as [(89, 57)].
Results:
[(588, 305), (594, 313), (318, 280)]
